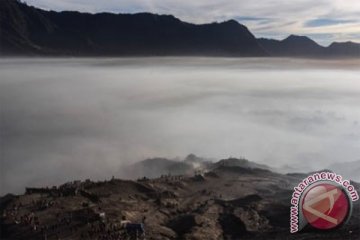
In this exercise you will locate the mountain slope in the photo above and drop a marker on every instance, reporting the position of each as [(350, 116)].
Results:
[(230, 203), (28, 30)]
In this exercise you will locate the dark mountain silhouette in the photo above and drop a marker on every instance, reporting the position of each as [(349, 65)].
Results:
[(302, 46), (28, 30), (344, 49), (292, 46)]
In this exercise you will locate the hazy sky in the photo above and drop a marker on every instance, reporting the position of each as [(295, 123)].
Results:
[(323, 20)]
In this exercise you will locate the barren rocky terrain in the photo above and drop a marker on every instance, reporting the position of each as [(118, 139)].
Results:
[(224, 202)]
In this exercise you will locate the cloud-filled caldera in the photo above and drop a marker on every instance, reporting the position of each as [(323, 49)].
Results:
[(65, 119), (325, 20)]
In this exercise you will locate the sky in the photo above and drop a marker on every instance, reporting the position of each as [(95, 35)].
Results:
[(325, 21)]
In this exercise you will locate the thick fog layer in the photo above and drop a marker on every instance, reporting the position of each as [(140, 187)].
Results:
[(67, 119)]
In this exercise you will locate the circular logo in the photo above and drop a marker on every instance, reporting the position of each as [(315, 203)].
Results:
[(325, 206)]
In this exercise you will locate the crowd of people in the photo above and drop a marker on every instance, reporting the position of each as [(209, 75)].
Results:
[(15, 215), (100, 229), (125, 230)]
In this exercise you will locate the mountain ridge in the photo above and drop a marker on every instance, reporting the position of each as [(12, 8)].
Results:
[(300, 46), (30, 31)]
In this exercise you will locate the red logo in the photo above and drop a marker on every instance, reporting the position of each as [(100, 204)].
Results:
[(325, 206)]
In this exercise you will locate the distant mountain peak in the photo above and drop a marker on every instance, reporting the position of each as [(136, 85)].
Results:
[(239, 162), (347, 43), (192, 158), (294, 36), (299, 39), (231, 22), (345, 49)]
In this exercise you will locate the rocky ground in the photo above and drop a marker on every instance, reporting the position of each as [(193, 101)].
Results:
[(228, 202)]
